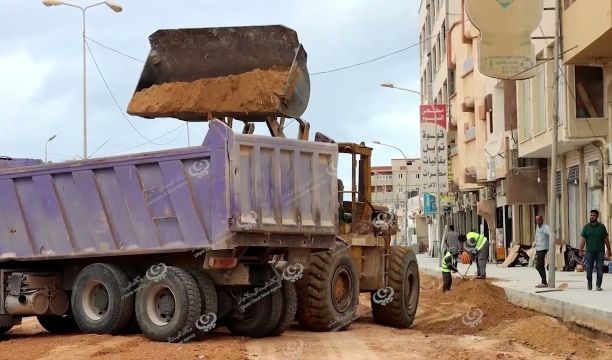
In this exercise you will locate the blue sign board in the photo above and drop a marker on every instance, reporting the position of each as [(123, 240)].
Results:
[(429, 204)]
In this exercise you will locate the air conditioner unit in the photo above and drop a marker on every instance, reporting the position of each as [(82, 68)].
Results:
[(472, 199), (594, 177)]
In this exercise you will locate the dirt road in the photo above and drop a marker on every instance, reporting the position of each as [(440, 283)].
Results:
[(472, 322)]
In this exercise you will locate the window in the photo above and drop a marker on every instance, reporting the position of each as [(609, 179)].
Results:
[(434, 60), (418, 175), (443, 40), (451, 82), (401, 176), (525, 112), (589, 92), (540, 100), (561, 94)]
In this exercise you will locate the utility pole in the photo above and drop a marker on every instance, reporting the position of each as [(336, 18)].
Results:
[(553, 161)]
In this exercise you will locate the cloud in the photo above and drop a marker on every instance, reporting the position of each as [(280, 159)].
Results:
[(43, 46)]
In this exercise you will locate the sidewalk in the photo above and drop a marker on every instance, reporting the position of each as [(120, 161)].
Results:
[(577, 305)]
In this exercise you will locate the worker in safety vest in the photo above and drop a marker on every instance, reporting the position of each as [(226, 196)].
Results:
[(449, 263), (479, 244)]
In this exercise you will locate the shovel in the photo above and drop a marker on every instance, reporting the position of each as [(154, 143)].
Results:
[(559, 288)]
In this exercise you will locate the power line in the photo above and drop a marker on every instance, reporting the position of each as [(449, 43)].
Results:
[(114, 50), (115, 99), (182, 127)]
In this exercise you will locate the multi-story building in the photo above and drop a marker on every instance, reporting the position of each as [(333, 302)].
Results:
[(390, 186), (437, 79), (502, 129), (585, 101)]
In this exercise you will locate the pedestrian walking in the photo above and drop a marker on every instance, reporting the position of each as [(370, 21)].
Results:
[(449, 264), (595, 235), (480, 244), (451, 240), (541, 241)]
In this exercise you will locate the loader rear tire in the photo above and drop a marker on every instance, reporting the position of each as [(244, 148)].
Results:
[(168, 306), (328, 293), (98, 302), (289, 308), (403, 272)]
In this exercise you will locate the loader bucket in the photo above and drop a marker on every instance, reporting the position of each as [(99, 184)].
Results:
[(248, 73)]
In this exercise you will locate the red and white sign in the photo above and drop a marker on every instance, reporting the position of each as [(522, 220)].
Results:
[(434, 151)]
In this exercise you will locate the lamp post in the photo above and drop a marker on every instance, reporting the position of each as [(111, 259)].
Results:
[(116, 8), (405, 237), (424, 100), (47, 143)]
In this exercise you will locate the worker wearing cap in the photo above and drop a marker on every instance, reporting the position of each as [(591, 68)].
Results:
[(449, 264), (480, 244)]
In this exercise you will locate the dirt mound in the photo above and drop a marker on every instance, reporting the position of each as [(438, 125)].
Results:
[(250, 92), (487, 308), (548, 335)]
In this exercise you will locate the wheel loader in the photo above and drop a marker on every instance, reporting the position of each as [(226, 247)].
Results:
[(362, 260), (244, 231)]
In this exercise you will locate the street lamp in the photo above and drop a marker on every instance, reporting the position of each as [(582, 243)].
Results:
[(392, 86), (424, 100), (46, 143), (405, 236), (116, 8)]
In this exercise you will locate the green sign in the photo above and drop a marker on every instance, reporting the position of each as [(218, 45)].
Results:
[(505, 3)]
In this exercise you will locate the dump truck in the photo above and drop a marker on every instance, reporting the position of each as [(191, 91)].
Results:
[(245, 231)]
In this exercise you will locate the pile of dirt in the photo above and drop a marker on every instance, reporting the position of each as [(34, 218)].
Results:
[(488, 308), (256, 91), (548, 335)]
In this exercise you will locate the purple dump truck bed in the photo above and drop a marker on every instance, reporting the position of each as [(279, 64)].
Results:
[(234, 190)]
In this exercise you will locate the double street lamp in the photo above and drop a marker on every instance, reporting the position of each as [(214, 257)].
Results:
[(116, 8)]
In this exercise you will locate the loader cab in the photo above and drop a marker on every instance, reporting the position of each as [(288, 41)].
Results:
[(358, 217)]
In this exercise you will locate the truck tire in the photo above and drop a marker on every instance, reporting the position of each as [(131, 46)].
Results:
[(328, 293), (56, 324), (210, 303), (98, 303), (289, 308), (403, 273), (6, 323), (168, 306), (261, 316)]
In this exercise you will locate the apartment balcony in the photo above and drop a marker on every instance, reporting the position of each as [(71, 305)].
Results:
[(587, 25)]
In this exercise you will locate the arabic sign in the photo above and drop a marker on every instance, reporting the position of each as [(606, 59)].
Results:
[(505, 50), (429, 204), (434, 153)]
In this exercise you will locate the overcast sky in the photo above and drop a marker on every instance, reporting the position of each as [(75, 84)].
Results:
[(41, 71)]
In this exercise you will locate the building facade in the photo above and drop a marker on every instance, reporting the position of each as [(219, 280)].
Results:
[(500, 130), (391, 184)]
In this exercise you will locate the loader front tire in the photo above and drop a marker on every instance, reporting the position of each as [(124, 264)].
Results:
[(399, 310), (328, 293)]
